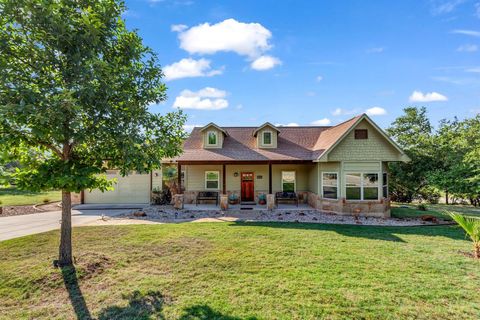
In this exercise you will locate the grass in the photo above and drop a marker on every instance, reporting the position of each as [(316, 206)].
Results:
[(398, 211), (13, 197), (233, 271)]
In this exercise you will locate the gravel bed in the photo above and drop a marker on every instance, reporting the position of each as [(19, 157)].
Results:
[(169, 214)]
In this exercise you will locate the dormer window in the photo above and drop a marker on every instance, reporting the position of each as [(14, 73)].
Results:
[(212, 138), (267, 138)]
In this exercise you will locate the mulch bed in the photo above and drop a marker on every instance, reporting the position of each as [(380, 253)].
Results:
[(30, 209)]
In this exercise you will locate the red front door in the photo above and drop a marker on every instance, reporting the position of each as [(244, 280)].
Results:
[(247, 186)]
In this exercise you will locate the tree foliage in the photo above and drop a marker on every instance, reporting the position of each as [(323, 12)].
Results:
[(74, 93), (413, 132), (446, 159)]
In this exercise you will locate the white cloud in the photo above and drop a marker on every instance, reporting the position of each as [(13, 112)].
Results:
[(467, 48), (477, 10), (472, 33), (178, 27), (247, 39), (475, 70), (205, 99), (250, 40), (477, 110), (376, 50), (291, 124), (189, 127), (376, 111), (188, 68), (319, 78), (343, 112), (265, 63), (444, 7), (322, 122), (418, 96), (239, 106)]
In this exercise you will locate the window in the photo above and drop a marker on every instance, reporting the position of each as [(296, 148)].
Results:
[(267, 138), (212, 179), (330, 185), (212, 137), (361, 186), (370, 186), (353, 184), (361, 134), (385, 185), (288, 181)]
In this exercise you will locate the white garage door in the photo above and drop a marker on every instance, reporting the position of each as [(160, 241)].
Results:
[(134, 188)]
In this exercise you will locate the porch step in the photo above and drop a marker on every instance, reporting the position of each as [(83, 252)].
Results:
[(248, 203)]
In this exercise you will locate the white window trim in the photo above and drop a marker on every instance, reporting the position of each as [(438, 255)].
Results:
[(294, 181), (385, 184), (218, 180), (379, 187), (271, 138), (216, 138), (321, 184)]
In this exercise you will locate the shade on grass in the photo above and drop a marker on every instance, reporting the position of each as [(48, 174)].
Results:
[(244, 271)]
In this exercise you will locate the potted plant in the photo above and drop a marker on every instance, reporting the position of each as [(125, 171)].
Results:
[(232, 198), (262, 199)]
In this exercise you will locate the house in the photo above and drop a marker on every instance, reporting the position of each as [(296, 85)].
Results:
[(341, 169)]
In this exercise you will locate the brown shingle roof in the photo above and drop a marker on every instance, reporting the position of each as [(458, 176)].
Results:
[(294, 143)]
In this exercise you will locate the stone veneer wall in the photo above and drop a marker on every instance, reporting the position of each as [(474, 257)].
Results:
[(379, 208)]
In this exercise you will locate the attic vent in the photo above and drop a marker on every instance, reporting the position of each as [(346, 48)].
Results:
[(361, 134)]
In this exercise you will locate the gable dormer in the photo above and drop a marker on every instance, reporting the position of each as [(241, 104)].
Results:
[(213, 136), (267, 136)]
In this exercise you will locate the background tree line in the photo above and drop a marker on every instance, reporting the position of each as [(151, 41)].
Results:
[(445, 159)]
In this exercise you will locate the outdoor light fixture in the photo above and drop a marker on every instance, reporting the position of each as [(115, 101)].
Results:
[(235, 174)]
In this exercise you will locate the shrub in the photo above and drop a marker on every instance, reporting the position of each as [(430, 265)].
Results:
[(46, 200), (422, 207)]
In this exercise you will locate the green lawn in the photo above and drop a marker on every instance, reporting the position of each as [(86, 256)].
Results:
[(14, 197), (236, 271), (433, 209)]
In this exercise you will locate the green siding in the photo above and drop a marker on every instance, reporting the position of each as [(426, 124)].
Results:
[(375, 148)]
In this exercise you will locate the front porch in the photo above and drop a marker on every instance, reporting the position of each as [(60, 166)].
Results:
[(247, 182)]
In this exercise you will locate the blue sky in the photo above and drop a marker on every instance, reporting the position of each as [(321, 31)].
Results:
[(313, 62)]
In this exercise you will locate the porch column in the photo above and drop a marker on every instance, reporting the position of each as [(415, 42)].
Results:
[(270, 178), (179, 177), (224, 181)]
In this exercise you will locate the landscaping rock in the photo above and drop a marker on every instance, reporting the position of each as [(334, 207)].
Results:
[(166, 213), (429, 217), (139, 214)]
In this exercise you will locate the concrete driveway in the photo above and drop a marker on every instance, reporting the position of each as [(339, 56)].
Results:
[(19, 226)]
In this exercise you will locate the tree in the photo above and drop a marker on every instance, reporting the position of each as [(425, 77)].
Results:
[(413, 132), (74, 93)]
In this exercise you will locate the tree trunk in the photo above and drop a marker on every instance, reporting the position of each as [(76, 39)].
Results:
[(65, 250), (446, 196)]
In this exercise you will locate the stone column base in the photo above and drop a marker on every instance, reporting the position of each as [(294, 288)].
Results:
[(223, 202), (178, 201), (270, 202)]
